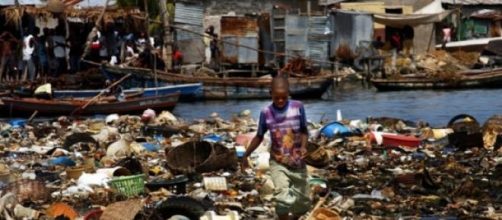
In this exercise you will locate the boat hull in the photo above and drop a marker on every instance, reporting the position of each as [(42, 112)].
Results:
[(187, 91), (26, 106), (232, 87), (480, 79)]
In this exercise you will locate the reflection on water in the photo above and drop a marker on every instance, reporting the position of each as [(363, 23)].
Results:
[(435, 107), (356, 102)]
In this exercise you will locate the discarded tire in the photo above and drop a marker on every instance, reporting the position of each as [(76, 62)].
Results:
[(131, 164), (200, 157), (79, 138), (183, 206), (466, 133)]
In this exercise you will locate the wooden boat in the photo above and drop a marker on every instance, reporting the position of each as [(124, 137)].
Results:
[(491, 78), (231, 87), (185, 90), (26, 106), (473, 45)]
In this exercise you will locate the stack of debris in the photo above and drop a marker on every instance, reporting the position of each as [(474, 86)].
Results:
[(124, 167)]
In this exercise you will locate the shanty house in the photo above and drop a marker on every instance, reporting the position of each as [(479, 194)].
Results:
[(476, 18)]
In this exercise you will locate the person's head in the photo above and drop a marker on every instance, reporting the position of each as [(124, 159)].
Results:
[(210, 29), (279, 91)]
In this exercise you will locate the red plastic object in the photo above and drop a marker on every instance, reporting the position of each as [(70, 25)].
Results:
[(397, 140)]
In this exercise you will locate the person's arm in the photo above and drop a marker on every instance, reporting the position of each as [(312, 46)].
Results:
[(262, 129)]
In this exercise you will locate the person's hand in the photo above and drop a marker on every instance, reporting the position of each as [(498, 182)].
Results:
[(244, 164)]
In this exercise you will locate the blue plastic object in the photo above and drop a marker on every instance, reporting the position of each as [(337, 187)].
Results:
[(334, 129), (213, 138), (418, 155), (62, 161), (17, 123), (150, 147)]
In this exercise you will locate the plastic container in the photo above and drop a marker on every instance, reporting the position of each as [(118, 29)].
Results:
[(129, 185), (17, 123)]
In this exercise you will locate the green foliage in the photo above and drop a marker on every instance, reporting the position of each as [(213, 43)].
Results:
[(153, 10)]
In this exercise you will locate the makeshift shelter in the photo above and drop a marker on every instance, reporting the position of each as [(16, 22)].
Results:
[(306, 36), (242, 31), (190, 16), (431, 13), (422, 20), (349, 29)]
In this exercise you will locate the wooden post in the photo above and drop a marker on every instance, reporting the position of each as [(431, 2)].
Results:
[(167, 49), (18, 8), (94, 31), (147, 26), (430, 38), (309, 8)]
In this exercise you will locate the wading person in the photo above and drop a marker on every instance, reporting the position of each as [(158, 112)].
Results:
[(286, 121)]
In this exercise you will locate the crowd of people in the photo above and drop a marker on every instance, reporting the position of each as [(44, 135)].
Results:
[(51, 52)]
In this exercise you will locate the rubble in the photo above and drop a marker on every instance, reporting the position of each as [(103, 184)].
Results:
[(167, 168)]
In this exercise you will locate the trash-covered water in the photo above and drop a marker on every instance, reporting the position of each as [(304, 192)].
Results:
[(435, 107)]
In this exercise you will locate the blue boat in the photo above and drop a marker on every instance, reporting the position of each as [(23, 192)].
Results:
[(187, 91)]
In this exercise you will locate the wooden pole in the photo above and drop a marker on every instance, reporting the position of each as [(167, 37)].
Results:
[(147, 26), (430, 38), (167, 49), (25, 70), (94, 31), (18, 8)]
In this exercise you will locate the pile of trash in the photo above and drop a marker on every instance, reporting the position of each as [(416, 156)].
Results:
[(437, 64), (162, 167)]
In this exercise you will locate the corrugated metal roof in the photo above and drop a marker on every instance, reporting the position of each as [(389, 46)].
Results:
[(472, 2)]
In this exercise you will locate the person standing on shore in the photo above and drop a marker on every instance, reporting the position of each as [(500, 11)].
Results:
[(447, 29), (286, 121), (27, 64)]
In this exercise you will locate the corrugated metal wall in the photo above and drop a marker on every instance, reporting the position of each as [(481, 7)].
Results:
[(296, 35), (318, 40), (350, 28), (242, 31), (190, 16), (306, 37)]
